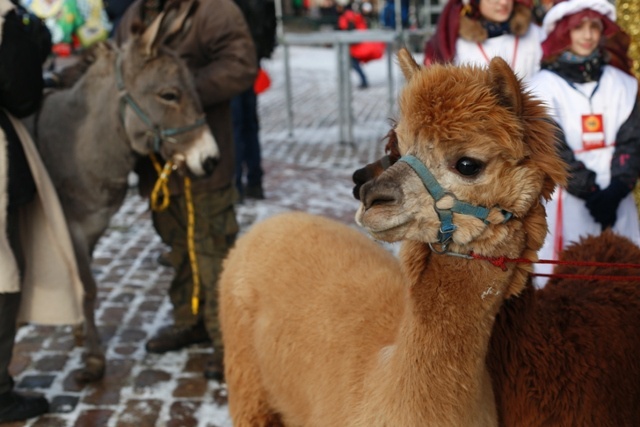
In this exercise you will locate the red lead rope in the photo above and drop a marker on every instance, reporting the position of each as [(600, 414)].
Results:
[(503, 261)]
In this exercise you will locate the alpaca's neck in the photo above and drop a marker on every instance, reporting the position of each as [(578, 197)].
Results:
[(440, 351), (451, 307)]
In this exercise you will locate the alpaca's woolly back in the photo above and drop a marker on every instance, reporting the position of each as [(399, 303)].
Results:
[(568, 354), (333, 286)]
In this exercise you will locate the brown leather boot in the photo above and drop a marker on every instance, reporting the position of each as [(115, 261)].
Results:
[(171, 338)]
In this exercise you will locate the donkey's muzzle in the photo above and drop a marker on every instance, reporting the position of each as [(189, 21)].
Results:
[(209, 165)]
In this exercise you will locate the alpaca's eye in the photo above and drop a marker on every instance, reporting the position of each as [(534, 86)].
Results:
[(468, 166), (169, 96)]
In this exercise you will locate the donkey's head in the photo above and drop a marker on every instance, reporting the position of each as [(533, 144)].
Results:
[(160, 108)]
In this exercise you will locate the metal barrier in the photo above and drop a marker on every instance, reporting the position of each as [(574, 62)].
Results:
[(341, 40)]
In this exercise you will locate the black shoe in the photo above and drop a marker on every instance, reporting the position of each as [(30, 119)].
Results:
[(171, 338), (214, 370), (19, 407), (254, 192)]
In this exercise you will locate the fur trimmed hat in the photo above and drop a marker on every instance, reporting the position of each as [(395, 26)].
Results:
[(461, 18)]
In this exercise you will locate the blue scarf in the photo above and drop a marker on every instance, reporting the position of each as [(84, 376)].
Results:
[(495, 29)]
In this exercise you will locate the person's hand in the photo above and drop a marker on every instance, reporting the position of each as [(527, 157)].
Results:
[(603, 204)]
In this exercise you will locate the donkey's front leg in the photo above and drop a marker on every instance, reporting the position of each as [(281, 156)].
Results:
[(94, 359)]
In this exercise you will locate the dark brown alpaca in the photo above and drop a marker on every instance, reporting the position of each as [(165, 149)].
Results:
[(569, 354)]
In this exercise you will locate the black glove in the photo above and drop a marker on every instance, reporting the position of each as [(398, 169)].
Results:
[(603, 204)]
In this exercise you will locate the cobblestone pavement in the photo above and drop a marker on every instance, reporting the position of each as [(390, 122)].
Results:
[(310, 171)]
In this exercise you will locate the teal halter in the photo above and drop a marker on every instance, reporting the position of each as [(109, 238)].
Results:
[(447, 226), (159, 134)]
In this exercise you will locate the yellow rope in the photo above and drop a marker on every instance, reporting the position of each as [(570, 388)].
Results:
[(161, 191), (161, 187), (195, 296)]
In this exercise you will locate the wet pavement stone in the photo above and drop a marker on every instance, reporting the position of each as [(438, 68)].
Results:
[(36, 381), (63, 403)]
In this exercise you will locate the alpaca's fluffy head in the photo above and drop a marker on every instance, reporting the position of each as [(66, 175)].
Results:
[(486, 141)]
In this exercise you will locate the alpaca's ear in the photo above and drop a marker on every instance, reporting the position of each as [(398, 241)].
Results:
[(505, 85), (408, 65)]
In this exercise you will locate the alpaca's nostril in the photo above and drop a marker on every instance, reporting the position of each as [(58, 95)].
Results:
[(209, 165), (379, 194)]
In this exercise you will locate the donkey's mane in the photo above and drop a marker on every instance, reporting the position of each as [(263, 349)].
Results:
[(70, 75)]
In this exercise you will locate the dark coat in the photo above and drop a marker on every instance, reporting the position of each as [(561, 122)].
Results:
[(261, 19), (25, 44)]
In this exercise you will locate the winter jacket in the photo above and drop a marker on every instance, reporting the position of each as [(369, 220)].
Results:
[(261, 19)]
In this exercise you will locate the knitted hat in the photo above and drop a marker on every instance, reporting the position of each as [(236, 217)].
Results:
[(461, 18)]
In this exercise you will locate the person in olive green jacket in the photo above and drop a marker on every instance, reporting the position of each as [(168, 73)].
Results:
[(218, 49)]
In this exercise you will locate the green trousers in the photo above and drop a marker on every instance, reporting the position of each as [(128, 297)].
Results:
[(214, 234)]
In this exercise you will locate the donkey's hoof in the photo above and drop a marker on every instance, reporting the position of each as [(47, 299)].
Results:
[(94, 366)]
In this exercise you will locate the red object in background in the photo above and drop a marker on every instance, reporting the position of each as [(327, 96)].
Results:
[(61, 49), (262, 83), (350, 20), (367, 51)]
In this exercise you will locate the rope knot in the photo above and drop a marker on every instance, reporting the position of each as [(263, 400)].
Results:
[(500, 262), (160, 194)]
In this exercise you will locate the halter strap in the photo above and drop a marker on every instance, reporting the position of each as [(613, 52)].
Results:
[(447, 227), (159, 134)]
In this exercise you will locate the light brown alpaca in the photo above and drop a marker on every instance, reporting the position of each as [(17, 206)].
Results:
[(322, 327)]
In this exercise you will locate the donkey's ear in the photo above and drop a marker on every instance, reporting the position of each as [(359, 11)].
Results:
[(408, 65), (167, 24), (174, 26), (505, 85)]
